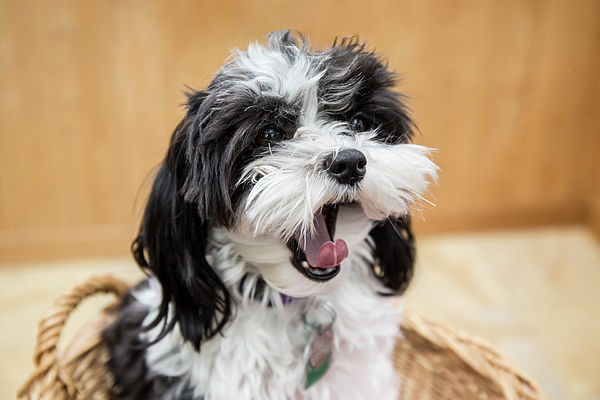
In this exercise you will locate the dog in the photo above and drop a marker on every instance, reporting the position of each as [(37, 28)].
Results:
[(276, 234)]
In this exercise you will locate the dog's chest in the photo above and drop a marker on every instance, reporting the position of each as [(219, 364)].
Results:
[(261, 355)]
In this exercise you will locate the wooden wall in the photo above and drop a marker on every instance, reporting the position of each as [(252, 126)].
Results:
[(507, 91)]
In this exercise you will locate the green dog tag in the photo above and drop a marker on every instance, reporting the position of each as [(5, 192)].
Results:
[(319, 350), (314, 374)]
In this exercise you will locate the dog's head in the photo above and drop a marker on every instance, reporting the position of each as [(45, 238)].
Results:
[(298, 158)]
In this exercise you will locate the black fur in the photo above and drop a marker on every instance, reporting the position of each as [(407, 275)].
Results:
[(394, 253), (373, 97), (128, 357), (172, 244)]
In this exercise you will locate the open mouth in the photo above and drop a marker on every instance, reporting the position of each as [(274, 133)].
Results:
[(318, 256)]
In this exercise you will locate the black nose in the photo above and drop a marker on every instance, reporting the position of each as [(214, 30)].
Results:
[(349, 166)]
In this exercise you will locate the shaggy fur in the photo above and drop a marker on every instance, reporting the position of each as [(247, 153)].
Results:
[(288, 182)]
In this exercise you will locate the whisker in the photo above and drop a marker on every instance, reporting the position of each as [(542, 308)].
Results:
[(421, 197)]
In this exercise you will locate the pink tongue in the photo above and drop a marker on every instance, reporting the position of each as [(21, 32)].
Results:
[(332, 254), (320, 251)]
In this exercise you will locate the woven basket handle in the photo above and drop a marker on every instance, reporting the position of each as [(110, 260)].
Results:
[(49, 380)]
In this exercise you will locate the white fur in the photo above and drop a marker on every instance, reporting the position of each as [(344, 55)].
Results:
[(272, 73), (259, 354), (293, 184)]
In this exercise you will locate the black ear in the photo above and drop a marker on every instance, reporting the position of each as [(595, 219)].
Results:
[(171, 245), (394, 253)]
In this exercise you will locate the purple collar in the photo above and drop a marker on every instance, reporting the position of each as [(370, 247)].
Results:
[(285, 299)]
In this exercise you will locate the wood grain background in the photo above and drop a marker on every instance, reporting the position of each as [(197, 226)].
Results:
[(507, 91)]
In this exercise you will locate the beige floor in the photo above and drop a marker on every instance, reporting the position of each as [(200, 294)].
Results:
[(533, 293)]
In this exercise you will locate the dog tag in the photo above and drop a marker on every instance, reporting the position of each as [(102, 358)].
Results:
[(319, 350), (318, 357)]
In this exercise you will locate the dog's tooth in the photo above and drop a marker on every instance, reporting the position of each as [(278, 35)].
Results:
[(305, 264)]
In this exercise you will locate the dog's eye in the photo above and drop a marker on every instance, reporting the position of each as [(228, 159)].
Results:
[(359, 123), (269, 136)]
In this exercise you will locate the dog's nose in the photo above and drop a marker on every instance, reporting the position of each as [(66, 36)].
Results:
[(349, 166)]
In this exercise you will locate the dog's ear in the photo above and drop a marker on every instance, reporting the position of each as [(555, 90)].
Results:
[(171, 245), (394, 253)]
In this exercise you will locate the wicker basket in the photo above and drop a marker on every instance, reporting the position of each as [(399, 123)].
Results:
[(434, 360)]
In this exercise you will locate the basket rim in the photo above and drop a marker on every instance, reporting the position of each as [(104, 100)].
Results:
[(52, 368)]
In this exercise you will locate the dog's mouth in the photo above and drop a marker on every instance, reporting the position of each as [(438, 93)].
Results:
[(318, 256)]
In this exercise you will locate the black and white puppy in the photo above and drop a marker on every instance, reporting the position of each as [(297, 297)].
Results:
[(276, 229)]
